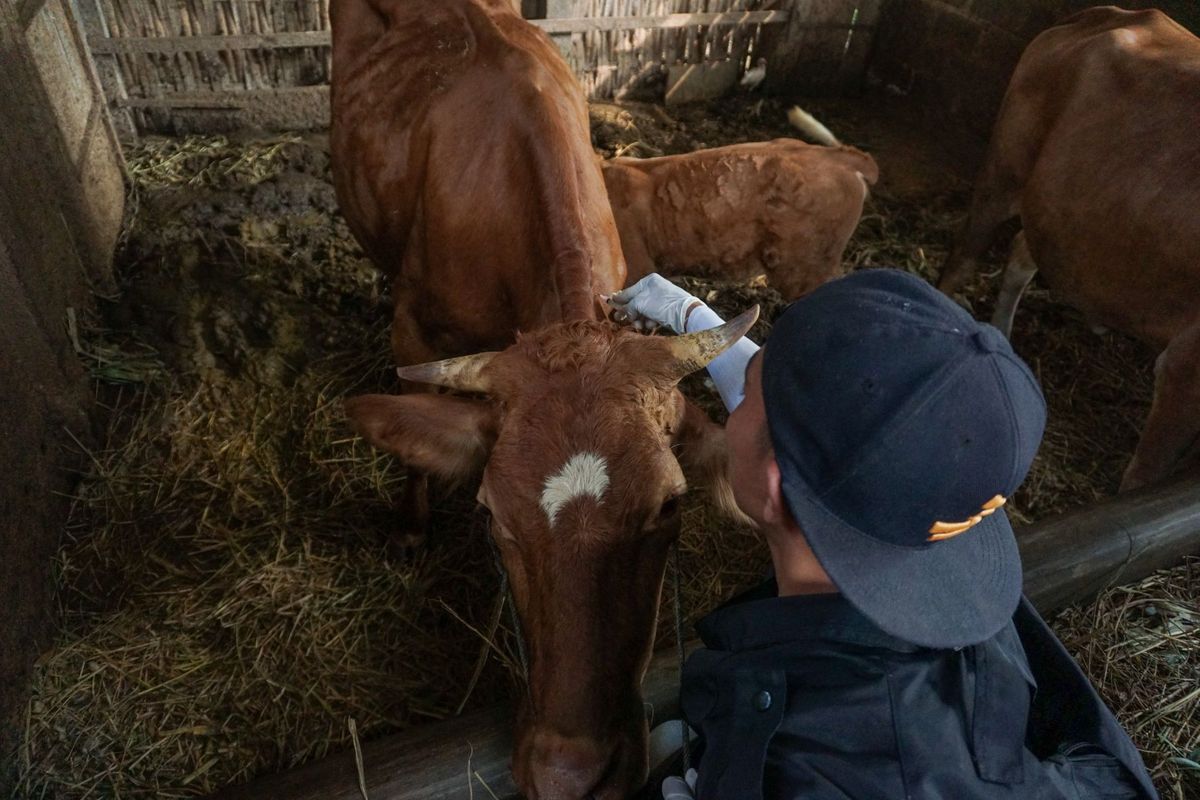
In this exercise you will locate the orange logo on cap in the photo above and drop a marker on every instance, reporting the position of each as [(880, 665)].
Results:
[(947, 530)]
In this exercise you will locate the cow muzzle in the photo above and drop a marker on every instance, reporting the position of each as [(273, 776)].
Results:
[(559, 767)]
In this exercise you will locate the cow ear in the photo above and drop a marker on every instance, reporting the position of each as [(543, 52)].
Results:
[(702, 452), (446, 436)]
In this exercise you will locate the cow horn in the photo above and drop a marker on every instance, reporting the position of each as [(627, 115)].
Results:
[(694, 351), (464, 373)]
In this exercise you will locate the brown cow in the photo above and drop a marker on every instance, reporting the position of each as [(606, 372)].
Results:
[(463, 164), (782, 208), (1095, 150)]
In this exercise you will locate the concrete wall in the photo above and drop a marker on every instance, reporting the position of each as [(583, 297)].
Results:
[(61, 203), (956, 56)]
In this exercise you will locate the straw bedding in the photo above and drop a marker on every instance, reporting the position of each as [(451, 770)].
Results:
[(228, 605)]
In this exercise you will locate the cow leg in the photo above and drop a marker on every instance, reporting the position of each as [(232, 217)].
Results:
[(1171, 438), (994, 202), (1017, 275)]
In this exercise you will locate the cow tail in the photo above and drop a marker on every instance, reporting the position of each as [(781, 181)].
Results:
[(810, 127)]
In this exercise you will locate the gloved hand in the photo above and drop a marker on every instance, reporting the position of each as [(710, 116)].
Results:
[(655, 299), (676, 788)]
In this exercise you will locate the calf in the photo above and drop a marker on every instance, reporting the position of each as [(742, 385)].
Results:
[(1095, 151), (781, 208)]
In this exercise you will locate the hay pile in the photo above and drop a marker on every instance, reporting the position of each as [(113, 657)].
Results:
[(228, 603), (1140, 645), (228, 606)]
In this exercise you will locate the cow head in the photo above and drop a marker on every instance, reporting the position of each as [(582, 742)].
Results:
[(582, 440)]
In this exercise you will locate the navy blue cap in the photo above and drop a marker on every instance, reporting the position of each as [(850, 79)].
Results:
[(901, 426)]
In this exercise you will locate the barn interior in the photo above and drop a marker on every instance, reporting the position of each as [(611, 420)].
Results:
[(193, 548)]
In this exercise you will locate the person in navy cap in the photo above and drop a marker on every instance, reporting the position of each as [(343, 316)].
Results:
[(875, 440)]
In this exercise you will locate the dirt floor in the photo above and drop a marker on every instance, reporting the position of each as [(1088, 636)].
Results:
[(228, 603)]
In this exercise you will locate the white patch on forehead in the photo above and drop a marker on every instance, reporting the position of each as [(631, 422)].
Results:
[(583, 474)]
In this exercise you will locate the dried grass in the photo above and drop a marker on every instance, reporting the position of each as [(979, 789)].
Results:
[(228, 606), (1141, 647), (206, 161)]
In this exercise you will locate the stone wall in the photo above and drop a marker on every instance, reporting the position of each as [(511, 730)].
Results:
[(61, 203), (956, 56)]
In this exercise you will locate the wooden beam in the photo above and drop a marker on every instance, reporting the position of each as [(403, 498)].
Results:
[(1067, 559), (186, 44), (223, 100), (1071, 557), (457, 759), (104, 86), (27, 10), (585, 24), (271, 41), (294, 108)]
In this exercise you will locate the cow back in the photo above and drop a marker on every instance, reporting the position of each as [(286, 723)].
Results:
[(783, 208), (463, 164), (1099, 125)]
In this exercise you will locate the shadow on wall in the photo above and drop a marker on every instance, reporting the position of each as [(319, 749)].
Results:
[(956, 56)]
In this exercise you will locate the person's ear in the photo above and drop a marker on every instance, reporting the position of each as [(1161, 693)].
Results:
[(775, 510)]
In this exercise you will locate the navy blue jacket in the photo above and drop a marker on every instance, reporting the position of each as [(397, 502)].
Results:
[(804, 698)]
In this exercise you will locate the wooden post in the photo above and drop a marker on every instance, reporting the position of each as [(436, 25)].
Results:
[(108, 71), (1067, 559), (533, 9), (823, 49), (60, 213), (561, 9)]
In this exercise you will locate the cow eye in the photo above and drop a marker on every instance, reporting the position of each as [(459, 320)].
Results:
[(670, 508)]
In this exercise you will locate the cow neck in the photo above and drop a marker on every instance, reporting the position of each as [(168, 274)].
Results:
[(577, 304)]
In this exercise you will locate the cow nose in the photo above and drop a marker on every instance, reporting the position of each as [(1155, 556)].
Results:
[(569, 767)]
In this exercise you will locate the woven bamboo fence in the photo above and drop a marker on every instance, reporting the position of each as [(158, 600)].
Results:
[(618, 63), (162, 60)]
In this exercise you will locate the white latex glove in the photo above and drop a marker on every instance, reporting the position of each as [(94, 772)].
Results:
[(656, 300), (676, 788)]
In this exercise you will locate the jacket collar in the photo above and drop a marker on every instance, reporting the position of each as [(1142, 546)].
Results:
[(760, 618)]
